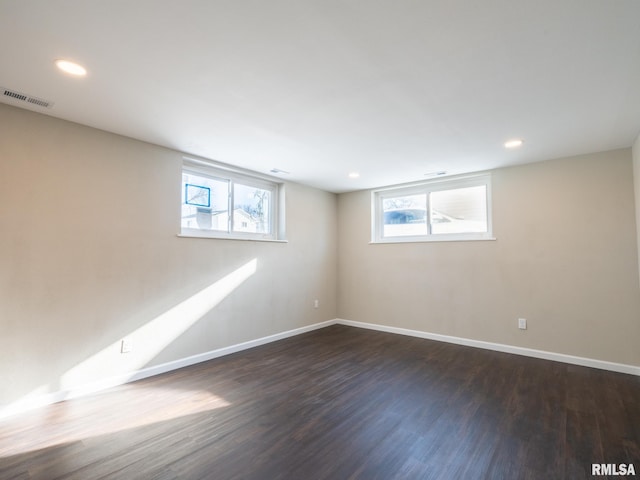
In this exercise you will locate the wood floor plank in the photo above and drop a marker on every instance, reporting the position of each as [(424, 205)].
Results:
[(338, 403)]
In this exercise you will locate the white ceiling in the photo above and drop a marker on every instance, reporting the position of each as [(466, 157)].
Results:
[(392, 89)]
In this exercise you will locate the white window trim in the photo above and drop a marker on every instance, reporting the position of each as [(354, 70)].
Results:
[(449, 183), (245, 177)]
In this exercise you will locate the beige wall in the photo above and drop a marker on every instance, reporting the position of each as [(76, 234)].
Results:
[(565, 258), (89, 255), (636, 182)]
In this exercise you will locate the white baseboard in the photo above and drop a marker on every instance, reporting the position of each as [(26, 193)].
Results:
[(220, 352), (499, 347), (44, 399)]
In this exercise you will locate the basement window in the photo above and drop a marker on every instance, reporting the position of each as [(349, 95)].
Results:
[(219, 202), (452, 209)]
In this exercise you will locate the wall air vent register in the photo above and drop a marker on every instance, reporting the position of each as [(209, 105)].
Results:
[(9, 94)]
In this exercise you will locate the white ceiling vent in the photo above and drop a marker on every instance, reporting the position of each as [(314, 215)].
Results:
[(23, 97)]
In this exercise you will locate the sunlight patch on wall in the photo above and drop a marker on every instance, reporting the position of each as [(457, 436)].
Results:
[(150, 339)]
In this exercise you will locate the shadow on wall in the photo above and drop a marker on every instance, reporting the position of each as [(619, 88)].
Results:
[(149, 340)]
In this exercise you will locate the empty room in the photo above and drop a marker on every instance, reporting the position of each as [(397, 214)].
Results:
[(319, 239)]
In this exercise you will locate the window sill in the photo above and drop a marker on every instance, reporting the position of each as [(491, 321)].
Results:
[(430, 240), (243, 239)]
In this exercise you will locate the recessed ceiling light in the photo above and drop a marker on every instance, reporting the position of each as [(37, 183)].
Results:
[(278, 171), (71, 68), (515, 143), (354, 175), (436, 174)]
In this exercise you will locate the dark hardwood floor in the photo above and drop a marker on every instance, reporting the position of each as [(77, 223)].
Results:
[(339, 403)]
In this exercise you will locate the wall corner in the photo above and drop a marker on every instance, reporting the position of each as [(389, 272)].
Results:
[(636, 188)]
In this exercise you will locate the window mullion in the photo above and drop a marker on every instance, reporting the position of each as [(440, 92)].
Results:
[(230, 206), (428, 216)]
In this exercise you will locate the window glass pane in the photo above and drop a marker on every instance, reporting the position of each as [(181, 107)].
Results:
[(205, 203), (405, 215), (251, 209), (462, 210)]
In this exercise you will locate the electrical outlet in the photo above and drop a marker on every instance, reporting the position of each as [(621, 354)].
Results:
[(126, 346), (522, 323), (316, 303)]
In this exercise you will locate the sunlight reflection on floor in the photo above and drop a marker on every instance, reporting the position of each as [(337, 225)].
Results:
[(88, 417)]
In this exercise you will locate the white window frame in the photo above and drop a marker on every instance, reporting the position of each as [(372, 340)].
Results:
[(450, 183), (234, 175)]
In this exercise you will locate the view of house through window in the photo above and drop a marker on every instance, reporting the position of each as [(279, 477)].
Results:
[(461, 210), (251, 209), (217, 204), (443, 209)]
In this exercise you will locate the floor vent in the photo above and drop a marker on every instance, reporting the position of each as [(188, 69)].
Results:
[(22, 97)]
